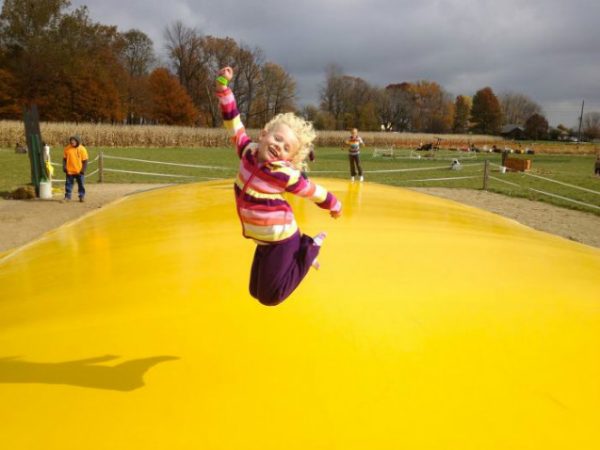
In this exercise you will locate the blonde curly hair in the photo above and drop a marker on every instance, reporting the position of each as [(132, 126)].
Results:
[(304, 132)]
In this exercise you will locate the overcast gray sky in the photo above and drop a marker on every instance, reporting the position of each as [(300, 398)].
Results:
[(548, 50)]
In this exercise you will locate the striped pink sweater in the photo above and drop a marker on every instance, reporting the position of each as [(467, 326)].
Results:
[(264, 213)]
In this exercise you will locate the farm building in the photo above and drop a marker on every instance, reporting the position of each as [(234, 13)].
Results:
[(513, 131)]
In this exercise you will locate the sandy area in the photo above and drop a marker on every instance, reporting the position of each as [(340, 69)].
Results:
[(22, 221), (574, 225)]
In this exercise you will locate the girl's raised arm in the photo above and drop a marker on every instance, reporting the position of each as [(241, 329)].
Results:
[(229, 110)]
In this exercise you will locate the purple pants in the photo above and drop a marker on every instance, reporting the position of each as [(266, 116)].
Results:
[(278, 269), (355, 164)]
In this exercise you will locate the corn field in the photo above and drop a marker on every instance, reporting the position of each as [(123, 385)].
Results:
[(104, 135)]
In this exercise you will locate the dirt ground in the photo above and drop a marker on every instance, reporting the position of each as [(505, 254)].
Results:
[(21, 220), (574, 225)]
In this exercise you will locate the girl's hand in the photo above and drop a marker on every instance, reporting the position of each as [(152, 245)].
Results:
[(335, 214), (225, 73)]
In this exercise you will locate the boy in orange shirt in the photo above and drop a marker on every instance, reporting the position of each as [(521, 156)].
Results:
[(75, 160)]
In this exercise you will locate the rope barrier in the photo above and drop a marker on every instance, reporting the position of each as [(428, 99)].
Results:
[(574, 186), (413, 169), (196, 166), (438, 179), (398, 154), (416, 169), (578, 202), (565, 198), (149, 173), (504, 181), (564, 184)]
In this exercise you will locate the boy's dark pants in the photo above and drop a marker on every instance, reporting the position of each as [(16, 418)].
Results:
[(355, 164), (278, 269), (69, 185)]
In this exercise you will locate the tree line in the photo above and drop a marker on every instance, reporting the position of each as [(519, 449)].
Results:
[(78, 70)]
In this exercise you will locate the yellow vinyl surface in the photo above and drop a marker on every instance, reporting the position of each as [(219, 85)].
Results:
[(430, 325)]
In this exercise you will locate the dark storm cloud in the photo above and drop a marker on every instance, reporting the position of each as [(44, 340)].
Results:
[(547, 50)]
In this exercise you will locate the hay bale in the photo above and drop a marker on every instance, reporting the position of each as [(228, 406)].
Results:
[(20, 149), (23, 193)]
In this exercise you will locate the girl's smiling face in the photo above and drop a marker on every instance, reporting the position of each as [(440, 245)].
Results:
[(278, 143)]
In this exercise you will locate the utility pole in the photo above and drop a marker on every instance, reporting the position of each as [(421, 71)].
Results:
[(580, 120)]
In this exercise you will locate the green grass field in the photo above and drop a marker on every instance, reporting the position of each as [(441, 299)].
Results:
[(401, 170)]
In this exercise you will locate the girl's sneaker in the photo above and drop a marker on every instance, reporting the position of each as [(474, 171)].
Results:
[(318, 241), (319, 238)]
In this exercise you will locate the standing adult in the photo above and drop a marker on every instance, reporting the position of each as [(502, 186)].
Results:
[(354, 142), (75, 160)]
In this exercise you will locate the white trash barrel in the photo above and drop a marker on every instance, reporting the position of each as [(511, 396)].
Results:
[(45, 190)]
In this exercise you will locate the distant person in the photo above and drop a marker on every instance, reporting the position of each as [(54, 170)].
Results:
[(75, 160), (311, 158), (354, 142), (597, 166)]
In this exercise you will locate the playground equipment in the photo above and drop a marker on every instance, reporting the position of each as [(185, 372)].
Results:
[(143, 334)]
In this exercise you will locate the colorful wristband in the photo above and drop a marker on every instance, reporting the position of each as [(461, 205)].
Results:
[(222, 80)]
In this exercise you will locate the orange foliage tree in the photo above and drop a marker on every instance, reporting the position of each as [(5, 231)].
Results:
[(462, 112), (486, 113), (62, 61), (170, 104), (9, 105), (433, 110)]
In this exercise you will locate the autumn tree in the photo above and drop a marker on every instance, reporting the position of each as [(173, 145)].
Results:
[(27, 29), (536, 127), (433, 111), (321, 120), (170, 103), (62, 61), (137, 57), (9, 103), (196, 59), (462, 112), (278, 91), (91, 79), (247, 82), (486, 114), (184, 45), (517, 108), (350, 100), (219, 52), (591, 124), (332, 93), (360, 104), (368, 119), (396, 107)]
